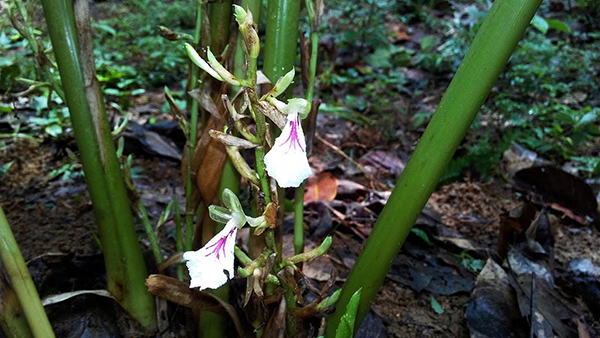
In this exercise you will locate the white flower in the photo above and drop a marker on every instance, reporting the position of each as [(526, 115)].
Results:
[(212, 266), (286, 161)]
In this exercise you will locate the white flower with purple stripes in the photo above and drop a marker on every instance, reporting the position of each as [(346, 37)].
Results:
[(287, 161), (212, 266)]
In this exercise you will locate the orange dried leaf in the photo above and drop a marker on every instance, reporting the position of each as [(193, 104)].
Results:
[(322, 187)]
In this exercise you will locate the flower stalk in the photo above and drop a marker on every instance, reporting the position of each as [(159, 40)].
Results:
[(314, 17), (282, 162), (495, 41)]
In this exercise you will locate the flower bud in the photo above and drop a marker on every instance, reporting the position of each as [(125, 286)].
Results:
[(198, 61), (250, 39), (240, 14), (222, 71), (282, 84)]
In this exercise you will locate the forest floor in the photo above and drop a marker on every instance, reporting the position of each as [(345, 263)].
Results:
[(426, 294)]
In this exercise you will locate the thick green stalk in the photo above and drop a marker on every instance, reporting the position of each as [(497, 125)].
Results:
[(220, 20), (125, 266), (281, 41), (281, 45), (487, 56), (22, 283)]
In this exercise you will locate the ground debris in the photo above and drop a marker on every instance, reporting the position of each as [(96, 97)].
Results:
[(561, 191), (493, 311)]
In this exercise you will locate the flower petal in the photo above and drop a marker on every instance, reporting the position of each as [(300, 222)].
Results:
[(255, 221), (211, 266), (219, 214), (286, 161), (231, 201)]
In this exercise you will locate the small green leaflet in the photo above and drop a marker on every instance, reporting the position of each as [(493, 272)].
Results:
[(437, 307), (421, 234), (540, 24), (346, 327)]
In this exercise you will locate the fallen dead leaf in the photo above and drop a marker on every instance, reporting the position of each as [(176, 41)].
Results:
[(321, 187)]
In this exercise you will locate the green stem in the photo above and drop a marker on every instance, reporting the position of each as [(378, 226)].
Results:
[(262, 173), (314, 51), (193, 72), (149, 231), (487, 56), (310, 255), (190, 208), (299, 219), (125, 266), (299, 193), (22, 283), (189, 204), (178, 236), (242, 257)]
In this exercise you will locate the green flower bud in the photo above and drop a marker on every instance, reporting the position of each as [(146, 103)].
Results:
[(250, 39), (283, 83), (222, 71), (198, 61), (240, 14)]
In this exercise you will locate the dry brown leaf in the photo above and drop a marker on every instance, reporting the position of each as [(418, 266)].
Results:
[(209, 158), (321, 187), (180, 293)]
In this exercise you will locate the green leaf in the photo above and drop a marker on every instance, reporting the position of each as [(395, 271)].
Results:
[(113, 92), (427, 43), (380, 58), (421, 234), (588, 118), (558, 25), (5, 108), (437, 307), (138, 91), (5, 168), (104, 27), (540, 24), (39, 103), (346, 327), (53, 130)]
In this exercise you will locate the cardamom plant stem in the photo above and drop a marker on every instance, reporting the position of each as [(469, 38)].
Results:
[(494, 43)]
